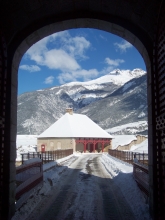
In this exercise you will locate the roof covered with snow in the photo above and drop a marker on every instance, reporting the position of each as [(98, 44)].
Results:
[(75, 125)]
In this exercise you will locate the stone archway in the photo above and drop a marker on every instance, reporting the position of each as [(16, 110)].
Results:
[(132, 20), (39, 34)]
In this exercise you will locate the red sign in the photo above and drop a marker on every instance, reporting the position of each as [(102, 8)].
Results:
[(43, 148)]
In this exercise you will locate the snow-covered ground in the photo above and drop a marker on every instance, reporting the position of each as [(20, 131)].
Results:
[(25, 144), (26, 140), (130, 128), (127, 184), (119, 171)]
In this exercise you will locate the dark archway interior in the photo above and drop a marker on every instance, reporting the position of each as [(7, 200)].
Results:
[(23, 23)]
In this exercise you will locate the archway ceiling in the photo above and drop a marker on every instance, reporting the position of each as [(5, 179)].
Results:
[(26, 16)]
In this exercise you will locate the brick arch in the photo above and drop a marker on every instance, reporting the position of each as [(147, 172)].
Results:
[(75, 23)]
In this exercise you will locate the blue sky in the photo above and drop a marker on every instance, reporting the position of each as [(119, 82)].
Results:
[(75, 55)]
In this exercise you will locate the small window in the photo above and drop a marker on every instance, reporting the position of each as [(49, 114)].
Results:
[(51, 144)]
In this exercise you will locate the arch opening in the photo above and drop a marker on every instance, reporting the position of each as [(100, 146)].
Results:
[(45, 31)]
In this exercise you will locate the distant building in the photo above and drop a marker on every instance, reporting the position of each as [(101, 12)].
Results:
[(75, 131)]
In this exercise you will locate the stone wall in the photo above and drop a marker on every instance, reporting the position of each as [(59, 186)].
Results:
[(140, 139)]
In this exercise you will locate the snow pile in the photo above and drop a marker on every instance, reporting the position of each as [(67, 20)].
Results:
[(121, 173), (115, 166), (52, 164)]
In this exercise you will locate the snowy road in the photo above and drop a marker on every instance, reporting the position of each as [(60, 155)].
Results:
[(84, 191)]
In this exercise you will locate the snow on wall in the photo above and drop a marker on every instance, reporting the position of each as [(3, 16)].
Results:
[(141, 148), (122, 140)]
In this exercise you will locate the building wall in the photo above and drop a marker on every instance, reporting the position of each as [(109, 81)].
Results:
[(106, 148), (52, 144)]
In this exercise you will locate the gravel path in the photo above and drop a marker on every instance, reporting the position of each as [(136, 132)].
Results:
[(85, 191)]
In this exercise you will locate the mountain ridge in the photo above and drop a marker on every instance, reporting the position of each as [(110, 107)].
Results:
[(102, 102)]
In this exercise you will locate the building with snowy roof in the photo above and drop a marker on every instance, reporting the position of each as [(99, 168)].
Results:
[(74, 131)]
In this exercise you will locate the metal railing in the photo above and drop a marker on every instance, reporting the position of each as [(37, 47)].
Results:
[(47, 156), (28, 176), (140, 173), (128, 156)]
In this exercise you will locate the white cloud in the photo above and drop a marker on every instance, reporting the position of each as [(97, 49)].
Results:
[(49, 80), (82, 74), (107, 70), (36, 52), (76, 46), (66, 77), (123, 46), (64, 54), (115, 62), (112, 64), (86, 75), (60, 51), (59, 59), (30, 68)]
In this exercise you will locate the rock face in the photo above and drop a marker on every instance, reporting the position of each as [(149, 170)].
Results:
[(115, 99)]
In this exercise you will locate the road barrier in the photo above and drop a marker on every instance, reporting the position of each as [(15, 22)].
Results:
[(47, 156), (140, 173), (28, 176)]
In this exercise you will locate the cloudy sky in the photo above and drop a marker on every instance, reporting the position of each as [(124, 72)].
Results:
[(75, 55)]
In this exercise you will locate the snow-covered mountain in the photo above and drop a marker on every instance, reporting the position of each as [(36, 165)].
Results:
[(117, 77), (111, 100), (130, 128)]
